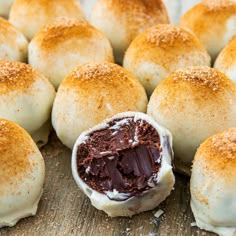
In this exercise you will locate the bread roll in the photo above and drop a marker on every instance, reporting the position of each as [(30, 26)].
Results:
[(26, 97), (226, 60), (64, 44), (91, 93), (123, 20), (124, 165), (193, 103), (5, 6), (13, 44), (30, 16), (214, 23), (160, 50), (22, 174), (213, 184)]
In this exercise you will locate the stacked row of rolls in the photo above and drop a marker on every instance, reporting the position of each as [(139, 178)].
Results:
[(71, 65)]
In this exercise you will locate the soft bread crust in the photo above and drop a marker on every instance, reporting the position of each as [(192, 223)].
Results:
[(213, 184), (13, 44), (30, 16), (91, 93), (128, 18), (5, 6), (26, 95), (64, 44), (213, 22), (22, 174), (143, 202), (160, 50), (193, 103), (226, 60)]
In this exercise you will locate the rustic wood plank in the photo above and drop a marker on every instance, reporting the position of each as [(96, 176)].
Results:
[(65, 210)]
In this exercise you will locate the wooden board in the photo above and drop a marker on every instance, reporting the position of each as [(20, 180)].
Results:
[(65, 210)]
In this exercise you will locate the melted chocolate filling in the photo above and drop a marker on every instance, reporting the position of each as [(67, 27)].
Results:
[(122, 157)]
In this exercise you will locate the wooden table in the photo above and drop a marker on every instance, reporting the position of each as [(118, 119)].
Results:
[(65, 210)]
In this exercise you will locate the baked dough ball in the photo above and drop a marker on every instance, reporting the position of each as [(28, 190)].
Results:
[(5, 6), (160, 50), (30, 16), (21, 174), (226, 60), (124, 165), (193, 103), (213, 184), (91, 93), (64, 44), (176, 8), (213, 22), (13, 44), (123, 20), (26, 97)]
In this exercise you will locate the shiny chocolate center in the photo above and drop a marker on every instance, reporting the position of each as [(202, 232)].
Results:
[(120, 158)]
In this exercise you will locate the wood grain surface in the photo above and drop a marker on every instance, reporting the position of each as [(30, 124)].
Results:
[(65, 210)]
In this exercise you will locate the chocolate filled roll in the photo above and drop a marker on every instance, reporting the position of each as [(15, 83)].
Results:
[(124, 165)]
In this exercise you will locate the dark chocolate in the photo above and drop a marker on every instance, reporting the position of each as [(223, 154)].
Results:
[(122, 157)]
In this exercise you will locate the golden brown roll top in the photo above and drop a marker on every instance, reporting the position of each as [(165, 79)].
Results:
[(226, 60), (15, 76), (213, 184), (193, 103), (122, 20), (66, 43), (22, 174), (214, 23), (26, 98), (91, 93), (30, 16), (113, 79), (219, 154), (13, 44), (200, 79), (161, 50)]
